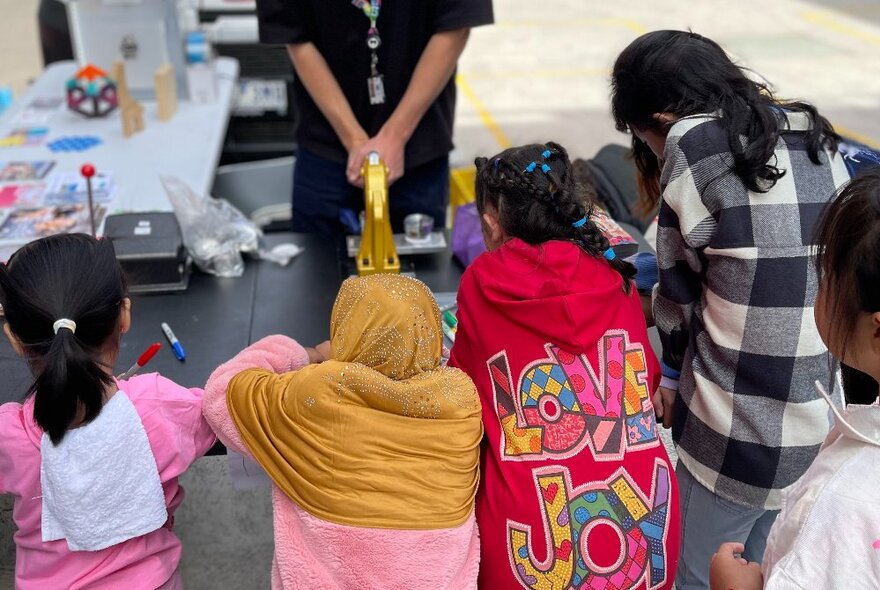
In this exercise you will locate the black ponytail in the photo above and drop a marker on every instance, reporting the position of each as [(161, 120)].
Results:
[(685, 74), (72, 277), (536, 206)]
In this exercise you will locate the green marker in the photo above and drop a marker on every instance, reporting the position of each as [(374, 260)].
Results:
[(448, 332), (450, 319)]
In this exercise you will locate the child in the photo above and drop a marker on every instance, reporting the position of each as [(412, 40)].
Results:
[(576, 490), (828, 533), (374, 452), (92, 462), (743, 179)]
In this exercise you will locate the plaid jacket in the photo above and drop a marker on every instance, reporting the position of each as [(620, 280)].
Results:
[(734, 307)]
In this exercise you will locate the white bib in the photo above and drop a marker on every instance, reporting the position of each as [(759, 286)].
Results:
[(101, 485)]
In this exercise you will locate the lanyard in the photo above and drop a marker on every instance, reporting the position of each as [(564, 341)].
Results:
[(370, 8)]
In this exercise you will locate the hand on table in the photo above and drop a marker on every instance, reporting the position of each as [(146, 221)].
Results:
[(390, 149), (664, 400), (729, 571)]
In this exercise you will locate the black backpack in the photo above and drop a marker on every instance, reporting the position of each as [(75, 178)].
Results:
[(613, 174)]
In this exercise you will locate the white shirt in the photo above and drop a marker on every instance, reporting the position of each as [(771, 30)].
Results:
[(828, 532)]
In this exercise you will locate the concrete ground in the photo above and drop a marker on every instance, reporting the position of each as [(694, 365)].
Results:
[(540, 73)]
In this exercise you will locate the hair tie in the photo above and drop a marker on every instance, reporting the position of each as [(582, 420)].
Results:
[(609, 254), (545, 168), (64, 323), (545, 154), (580, 222), (497, 163), (531, 167)]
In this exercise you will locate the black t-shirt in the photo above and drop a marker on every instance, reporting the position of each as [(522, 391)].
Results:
[(339, 31)]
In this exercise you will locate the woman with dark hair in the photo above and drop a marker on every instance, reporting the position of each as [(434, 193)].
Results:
[(740, 178)]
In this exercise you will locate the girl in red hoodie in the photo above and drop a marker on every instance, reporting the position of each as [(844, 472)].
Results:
[(577, 490)]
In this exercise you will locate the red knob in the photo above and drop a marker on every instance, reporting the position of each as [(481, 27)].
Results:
[(87, 170)]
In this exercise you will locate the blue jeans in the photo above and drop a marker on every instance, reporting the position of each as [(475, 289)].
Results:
[(707, 520), (321, 192)]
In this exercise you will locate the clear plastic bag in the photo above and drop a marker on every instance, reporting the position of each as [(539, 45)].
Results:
[(214, 232)]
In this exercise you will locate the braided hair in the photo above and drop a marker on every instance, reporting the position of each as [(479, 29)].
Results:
[(534, 190)]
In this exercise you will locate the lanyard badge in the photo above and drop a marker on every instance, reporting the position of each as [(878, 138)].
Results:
[(375, 84)]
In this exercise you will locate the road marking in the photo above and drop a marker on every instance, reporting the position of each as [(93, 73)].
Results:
[(485, 116)]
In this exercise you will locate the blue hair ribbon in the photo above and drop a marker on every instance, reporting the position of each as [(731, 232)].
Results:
[(580, 222)]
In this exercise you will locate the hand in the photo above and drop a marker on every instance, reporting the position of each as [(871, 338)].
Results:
[(729, 571), (664, 400), (324, 349), (319, 353), (389, 147)]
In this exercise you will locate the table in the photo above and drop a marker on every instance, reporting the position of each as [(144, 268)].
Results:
[(187, 146), (216, 318)]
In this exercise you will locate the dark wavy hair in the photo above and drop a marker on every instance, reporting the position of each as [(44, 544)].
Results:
[(537, 206), (685, 74), (70, 276), (848, 267)]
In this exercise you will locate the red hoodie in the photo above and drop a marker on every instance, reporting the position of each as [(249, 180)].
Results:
[(577, 490)]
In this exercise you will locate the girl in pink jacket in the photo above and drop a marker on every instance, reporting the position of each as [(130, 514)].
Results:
[(372, 446), (91, 461)]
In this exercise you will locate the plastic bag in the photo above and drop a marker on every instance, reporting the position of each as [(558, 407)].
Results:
[(214, 232)]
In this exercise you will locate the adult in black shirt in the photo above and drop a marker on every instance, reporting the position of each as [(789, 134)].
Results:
[(421, 42)]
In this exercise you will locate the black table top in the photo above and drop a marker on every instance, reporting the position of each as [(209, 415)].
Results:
[(216, 318)]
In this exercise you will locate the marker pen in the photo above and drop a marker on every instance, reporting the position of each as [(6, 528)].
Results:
[(447, 331), (142, 360), (450, 319), (179, 353)]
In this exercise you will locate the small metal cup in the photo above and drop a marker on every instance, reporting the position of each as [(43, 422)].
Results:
[(417, 228)]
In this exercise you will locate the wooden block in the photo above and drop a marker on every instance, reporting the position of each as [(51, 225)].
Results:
[(166, 92), (118, 76), (132, 113)]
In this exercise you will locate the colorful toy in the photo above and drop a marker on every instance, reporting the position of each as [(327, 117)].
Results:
[(74, 143), (91, 92)]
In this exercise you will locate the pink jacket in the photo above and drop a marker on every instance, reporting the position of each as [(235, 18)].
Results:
[(178, 435), (313, 553)]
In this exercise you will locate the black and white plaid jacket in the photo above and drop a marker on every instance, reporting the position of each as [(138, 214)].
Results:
[(734, 307)]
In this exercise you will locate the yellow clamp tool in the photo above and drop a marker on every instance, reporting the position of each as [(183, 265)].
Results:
[(377, 253)]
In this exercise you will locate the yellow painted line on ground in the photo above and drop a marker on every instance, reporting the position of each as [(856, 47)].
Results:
[(868, 141), (558, 73), (630, 24), (827, 21), (485, 116)]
